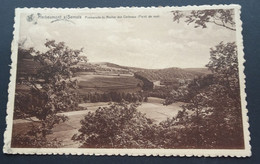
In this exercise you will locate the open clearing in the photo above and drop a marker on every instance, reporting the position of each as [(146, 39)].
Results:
[(153, 109)]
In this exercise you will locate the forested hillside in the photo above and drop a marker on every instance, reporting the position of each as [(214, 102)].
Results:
[(171, 73)]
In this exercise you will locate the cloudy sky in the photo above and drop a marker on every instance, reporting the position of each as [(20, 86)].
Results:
[(141, 42)]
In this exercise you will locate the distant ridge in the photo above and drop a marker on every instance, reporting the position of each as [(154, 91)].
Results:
[(159, 74), (108, 64), (27, 65), (199, 70)]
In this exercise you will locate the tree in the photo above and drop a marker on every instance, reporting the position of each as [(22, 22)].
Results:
[(129, 97), (187, 91), (212, 115), (224, 64), (118, 126), (201, 18), (51, 90)]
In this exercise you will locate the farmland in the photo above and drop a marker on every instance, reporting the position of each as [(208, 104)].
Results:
[(88, 82)]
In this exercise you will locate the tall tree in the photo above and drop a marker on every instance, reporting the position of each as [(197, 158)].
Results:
[(216, 106), (224, 64), (212, 115)]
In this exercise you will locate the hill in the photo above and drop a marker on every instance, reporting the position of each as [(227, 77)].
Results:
[(198, 70), (171, 74), (109, 65), (165, 74)]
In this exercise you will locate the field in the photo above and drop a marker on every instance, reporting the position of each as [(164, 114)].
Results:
[(105, 83), (153, 109)]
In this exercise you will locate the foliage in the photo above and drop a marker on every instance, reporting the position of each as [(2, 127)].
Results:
[(212, 116), (118, 126), (147, 84), (201, 18), (186, 92), (170, 75), (224, 64), (32, 140), (51, 91)]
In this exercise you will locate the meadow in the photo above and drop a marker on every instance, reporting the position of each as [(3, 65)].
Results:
[(104, 83)]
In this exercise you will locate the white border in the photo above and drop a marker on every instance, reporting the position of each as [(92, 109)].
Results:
[(131, 152)]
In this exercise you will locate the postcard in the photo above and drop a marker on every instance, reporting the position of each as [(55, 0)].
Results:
[(136, 81)]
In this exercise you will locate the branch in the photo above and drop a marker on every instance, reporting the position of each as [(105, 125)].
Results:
[(223, 25), (28, 119), (35, 87)]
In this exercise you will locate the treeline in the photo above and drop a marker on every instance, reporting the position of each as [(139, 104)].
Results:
[(168, 74), (147, 84), (186, 92), (122, 96), (112, 96), (162, 92)]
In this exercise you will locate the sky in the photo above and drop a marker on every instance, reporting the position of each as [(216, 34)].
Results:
[(137, 42)]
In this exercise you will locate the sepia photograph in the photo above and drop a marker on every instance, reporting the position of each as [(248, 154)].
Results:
[(121, 79)]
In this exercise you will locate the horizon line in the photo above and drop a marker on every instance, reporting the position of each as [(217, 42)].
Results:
[(144, 67)]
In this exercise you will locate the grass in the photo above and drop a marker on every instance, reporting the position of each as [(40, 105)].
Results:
[(155, 110), (105, 83)]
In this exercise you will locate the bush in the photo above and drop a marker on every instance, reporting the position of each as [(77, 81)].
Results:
[(118, 126)]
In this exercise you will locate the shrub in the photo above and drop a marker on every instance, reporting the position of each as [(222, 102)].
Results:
[(118, 126)]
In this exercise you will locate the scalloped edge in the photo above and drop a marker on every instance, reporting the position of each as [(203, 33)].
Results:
[(130, 152)]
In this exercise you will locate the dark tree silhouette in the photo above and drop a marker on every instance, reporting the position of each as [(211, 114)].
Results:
[(201, 18), (51, 90)]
